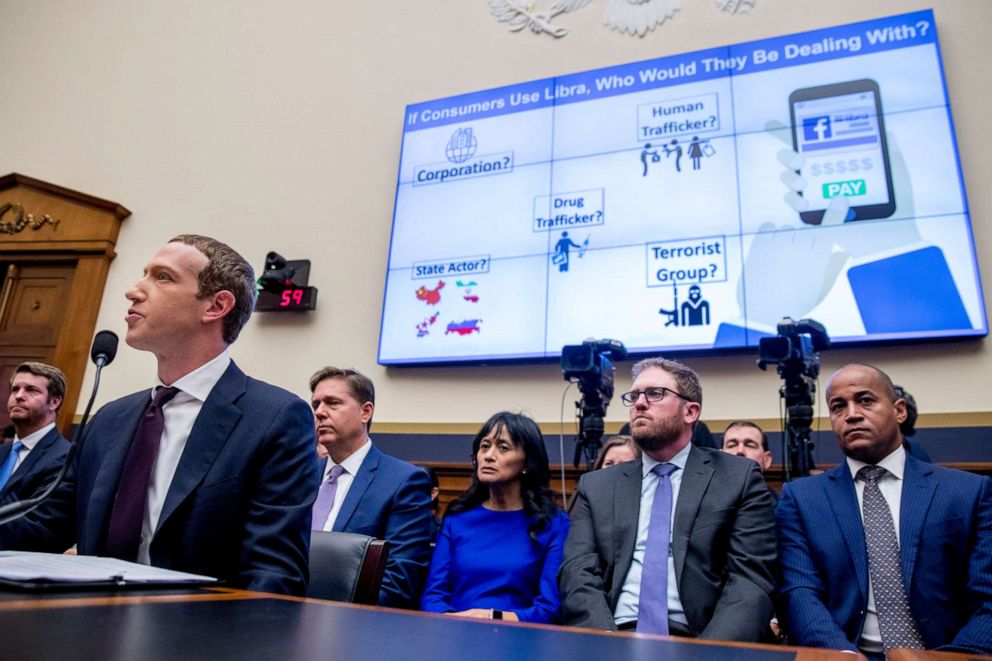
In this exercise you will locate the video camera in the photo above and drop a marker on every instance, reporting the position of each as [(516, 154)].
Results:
[(796, 353), (590, 364), (796, 347), (278, 273)]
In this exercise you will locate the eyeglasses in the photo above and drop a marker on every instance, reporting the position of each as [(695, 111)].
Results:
[(651, 394)]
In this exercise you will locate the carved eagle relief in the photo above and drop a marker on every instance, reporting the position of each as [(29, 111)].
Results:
[(633, 17)]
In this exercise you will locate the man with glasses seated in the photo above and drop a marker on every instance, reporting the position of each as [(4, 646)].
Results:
[(681, 542)]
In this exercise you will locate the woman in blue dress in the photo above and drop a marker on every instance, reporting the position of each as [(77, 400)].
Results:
[(500, 546)]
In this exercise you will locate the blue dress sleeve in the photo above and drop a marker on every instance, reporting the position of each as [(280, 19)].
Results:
[(547, 603), (437, 592)]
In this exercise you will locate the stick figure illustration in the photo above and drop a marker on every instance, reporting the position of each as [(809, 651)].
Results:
[(696, 151), (653, 153), (674, 148), (561, 251), (695, 311)]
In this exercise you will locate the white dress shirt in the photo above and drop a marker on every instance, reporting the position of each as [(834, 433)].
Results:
[(630, 594), (180, 413), (345, 479), (891, 488), (29, 442)]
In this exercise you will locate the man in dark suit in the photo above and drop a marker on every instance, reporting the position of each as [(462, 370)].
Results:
[(680, 542), (211, 471), (31, 461), (884, 551), (365, 491)]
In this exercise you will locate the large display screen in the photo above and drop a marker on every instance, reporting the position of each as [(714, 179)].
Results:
[(687, 203)]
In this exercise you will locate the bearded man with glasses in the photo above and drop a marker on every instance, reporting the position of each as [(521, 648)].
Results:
[(681, 542)]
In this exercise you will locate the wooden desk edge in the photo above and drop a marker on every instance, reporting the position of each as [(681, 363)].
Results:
[(231, 594), (932, 655), (31, 602), (802, 653)]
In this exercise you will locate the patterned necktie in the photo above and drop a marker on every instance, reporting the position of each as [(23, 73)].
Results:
[(652, 607), (325, 498), (128, 513), (895, 619), (7, 468)]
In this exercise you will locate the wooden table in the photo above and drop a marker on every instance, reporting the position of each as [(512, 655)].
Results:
[(219, 624)]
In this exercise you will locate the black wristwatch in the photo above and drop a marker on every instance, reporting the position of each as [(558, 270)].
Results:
[(495, 614)]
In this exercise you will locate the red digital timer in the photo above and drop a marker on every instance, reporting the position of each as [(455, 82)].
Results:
[(291, 298)]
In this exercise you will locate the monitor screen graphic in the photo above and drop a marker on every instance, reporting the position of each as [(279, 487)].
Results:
[(687, 203)]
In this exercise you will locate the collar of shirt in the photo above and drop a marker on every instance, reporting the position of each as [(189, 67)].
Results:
[(180, 414), (895, 463), (32, 439), (649, 462), (354, 460), (198, 383)]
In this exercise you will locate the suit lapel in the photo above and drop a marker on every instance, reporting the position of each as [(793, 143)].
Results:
[(4, 451), (363, 479), (843, 502), (917, 492), (695, 481), (108, 476), (211, 431), (626, 510), (33, 458)]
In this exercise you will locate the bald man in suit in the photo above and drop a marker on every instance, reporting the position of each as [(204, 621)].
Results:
[(939, 528)]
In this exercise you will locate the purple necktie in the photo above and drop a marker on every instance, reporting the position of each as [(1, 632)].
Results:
[(652, 607), (325, 498), (128, 513)]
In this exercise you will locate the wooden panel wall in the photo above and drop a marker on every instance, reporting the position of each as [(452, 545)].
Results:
[(455, 477)]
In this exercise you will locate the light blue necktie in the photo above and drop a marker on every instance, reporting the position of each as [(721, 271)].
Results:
[(7, 469), (652, 608)]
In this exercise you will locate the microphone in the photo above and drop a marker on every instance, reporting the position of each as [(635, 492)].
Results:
[(104, 348), (102, 353)]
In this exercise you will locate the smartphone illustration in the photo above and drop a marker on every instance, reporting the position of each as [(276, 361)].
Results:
[(840, 131)]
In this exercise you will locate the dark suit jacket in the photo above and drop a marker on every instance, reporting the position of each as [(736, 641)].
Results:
[(391, 499), (945, 534), (723, 546), (239, 504), (37, 470)]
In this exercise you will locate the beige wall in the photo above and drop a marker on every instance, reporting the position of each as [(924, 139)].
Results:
[(276, 125)]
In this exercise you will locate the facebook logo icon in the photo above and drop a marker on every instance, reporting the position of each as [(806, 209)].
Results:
[(816, 128)]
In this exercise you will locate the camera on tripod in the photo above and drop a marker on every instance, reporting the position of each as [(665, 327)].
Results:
[(796, 348), (590, 364), (795, 351)]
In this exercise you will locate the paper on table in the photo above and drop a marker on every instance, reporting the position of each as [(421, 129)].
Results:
[(27, 566)]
